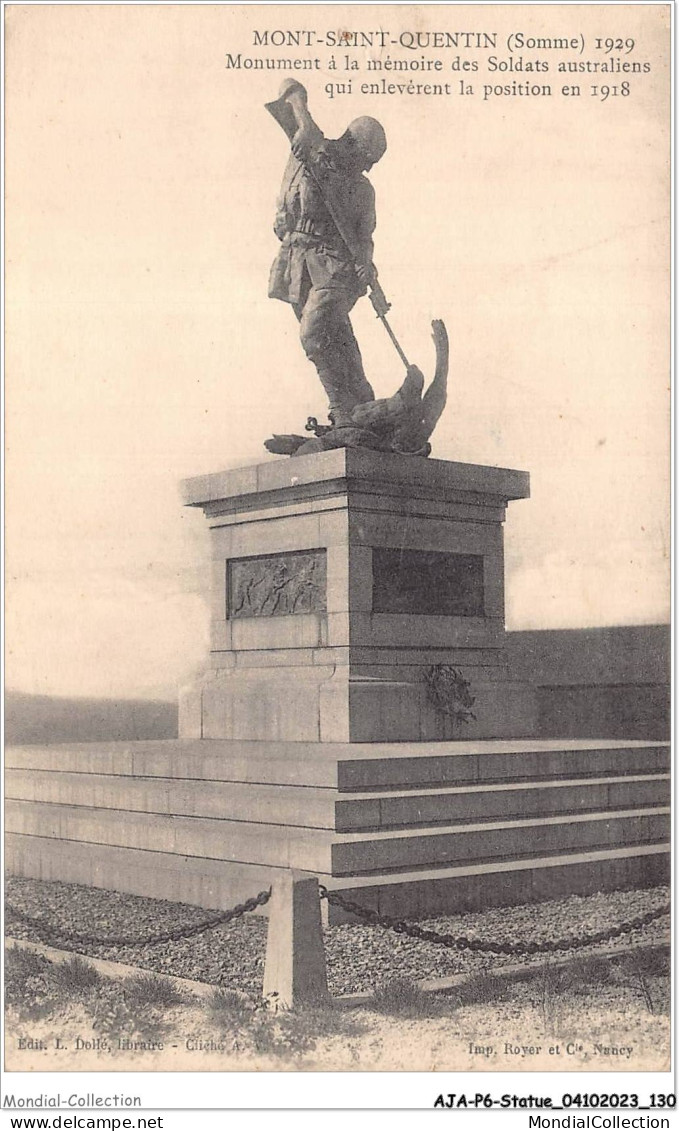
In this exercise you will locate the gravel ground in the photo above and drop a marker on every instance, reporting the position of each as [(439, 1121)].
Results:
[(358, 957)]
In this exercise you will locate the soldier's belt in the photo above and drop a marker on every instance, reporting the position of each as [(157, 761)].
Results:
[(318, 243), (312, 228)]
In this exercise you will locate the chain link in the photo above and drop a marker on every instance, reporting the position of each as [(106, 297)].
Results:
[(52, 932), (462, 942)]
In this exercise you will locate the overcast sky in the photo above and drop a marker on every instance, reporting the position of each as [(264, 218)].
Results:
[(142, 347)]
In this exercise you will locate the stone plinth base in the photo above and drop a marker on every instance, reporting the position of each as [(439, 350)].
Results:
[(341, 582), (407, 828), (313, 705)]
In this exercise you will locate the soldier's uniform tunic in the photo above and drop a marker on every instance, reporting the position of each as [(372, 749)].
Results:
[(314, 272)]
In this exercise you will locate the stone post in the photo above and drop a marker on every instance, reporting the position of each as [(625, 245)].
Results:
[(295, 972)]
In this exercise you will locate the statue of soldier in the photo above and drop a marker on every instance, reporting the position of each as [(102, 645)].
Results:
[(314, 270)]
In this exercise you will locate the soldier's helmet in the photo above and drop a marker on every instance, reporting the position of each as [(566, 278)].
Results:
[(370, 138)]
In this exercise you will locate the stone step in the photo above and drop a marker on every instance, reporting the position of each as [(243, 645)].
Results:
[(304, 806), (465, 804), (427, 893), (312, 807), (423, 893), (321, 850), (160, 875), (357, 767), (181, 759), (356, 853), (517, 764), (236, 841)]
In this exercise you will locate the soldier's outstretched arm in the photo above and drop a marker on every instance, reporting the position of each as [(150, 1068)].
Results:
[(308, 135)]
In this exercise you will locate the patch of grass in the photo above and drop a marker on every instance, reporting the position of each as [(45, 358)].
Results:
[(20, 966), (254, 1026), (322, 1021), (233, 1015), (228, 1009), (149, 989), (483, 988), (281, 1035), (647, 969), (400, 997), (653, 971), (77, 976), (578, 976), (38, 988), (115, 1014), (550, 997), (31, 987), (250, 1025), (652, 961), (586, 972)]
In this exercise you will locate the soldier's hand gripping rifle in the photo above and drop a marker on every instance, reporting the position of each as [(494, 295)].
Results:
[(291, 112)]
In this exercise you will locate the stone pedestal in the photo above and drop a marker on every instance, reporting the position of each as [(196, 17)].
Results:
[(343, 583), (314, 742)]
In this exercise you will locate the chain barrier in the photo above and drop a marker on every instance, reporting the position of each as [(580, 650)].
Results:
[(462, 942), (53, 933)]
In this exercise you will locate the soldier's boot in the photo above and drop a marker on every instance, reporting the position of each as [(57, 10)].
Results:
[(340, 401), (343, 377), (358, 387), (340, 370)]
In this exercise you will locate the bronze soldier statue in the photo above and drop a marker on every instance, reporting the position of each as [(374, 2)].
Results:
[(314, 270), (325, 220)]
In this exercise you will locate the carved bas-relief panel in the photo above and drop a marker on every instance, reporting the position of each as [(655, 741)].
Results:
[(277, 585), (428, 583)]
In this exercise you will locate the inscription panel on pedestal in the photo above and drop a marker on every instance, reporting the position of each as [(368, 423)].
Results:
[(277, 584), (428, 583)]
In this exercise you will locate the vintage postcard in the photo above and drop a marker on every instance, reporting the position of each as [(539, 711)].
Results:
[(337, 353)]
